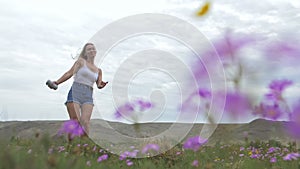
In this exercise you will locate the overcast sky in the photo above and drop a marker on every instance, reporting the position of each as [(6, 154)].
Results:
[(39, 38)]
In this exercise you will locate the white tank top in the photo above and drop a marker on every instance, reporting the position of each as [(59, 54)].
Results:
[(86, 76)]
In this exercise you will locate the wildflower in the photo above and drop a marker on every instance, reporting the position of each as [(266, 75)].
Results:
[(149, 147), (71, 127), (94, 148), (271, 150), (129, 163), (194, 143), (88, 163), (126, 154), (291, 156), (102, 158), (273, 160), (195, 163), (293, 126)]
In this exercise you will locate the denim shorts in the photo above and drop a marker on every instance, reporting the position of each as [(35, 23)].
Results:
[(81, 94)]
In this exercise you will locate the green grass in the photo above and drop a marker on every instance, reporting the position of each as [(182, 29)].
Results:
[(42, 153)]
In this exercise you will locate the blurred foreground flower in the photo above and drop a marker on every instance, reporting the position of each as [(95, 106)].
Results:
[(194, 143), (133, 109), (283, 50), (274, 106), (71, 127), (293, 127), (237, 104)]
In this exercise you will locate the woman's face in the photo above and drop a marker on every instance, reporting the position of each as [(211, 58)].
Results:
[(90, 51)]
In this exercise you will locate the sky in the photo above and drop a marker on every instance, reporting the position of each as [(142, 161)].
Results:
[(39, 38)]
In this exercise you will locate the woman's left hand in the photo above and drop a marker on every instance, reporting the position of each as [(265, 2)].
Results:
[(103, 84)]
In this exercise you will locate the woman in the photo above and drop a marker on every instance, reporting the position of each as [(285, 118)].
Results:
[(80, 97)]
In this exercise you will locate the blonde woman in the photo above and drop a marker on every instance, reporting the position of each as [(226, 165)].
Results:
[(80, 97)]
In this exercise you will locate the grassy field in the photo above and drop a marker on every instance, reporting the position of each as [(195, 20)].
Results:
[(45, 152)]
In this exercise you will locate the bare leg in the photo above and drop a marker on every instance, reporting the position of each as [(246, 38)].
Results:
[(74, 113), (73, 110), (86, 113)]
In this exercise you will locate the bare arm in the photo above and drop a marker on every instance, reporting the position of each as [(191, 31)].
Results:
[(70, 72)]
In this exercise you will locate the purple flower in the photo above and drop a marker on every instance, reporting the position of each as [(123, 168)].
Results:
[(149, 147), (255, 156), (71, 127), (102, 158), (273, 160), (194, 143), (271, 150), (291, 156)]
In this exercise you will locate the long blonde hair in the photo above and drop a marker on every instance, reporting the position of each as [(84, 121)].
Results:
[(82, 53)]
